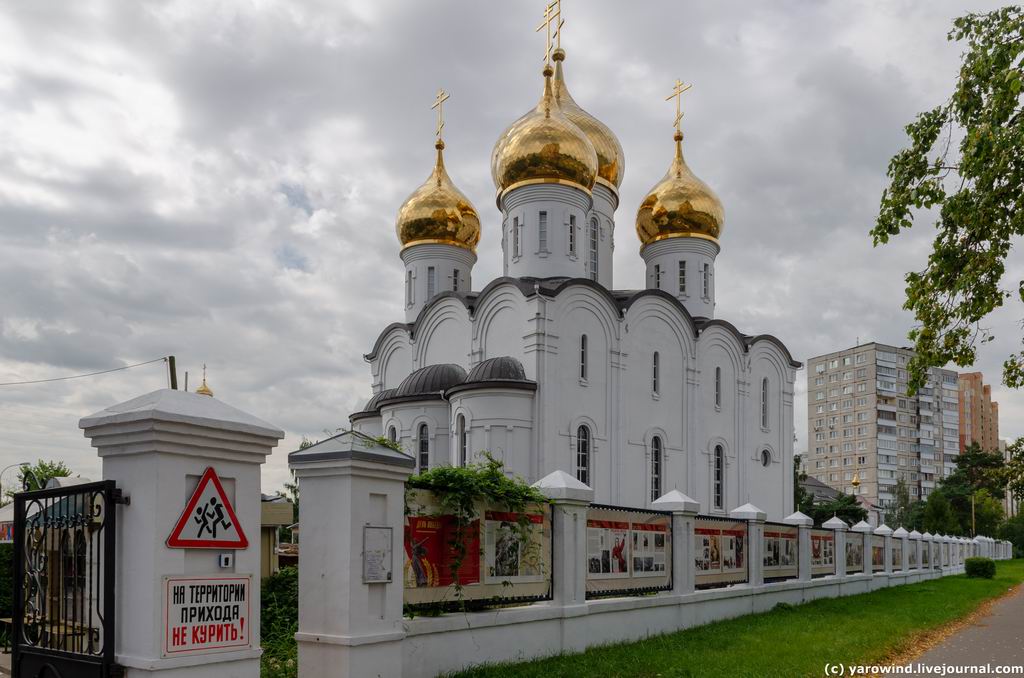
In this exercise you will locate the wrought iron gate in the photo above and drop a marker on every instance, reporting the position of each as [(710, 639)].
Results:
[(64, 558)]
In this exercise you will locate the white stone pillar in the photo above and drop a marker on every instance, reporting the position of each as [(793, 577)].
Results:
[(901, 536), (570, 499), (157, 448), (839, 528), (865, 531), (803, 523), (915, 547), (684, 511), (350, 608), (886, 532), (755, 518)]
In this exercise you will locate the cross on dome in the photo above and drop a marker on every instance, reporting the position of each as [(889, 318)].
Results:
[(438, 104), (552, 15), (677, 94)]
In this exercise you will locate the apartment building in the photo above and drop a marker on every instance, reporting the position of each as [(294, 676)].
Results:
[(979, 414), (865, 432)]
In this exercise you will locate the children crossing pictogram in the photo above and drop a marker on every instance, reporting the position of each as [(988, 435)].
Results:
[(208, 521)]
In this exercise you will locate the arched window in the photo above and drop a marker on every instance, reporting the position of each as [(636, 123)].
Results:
[(592, 260), (392, 434), (583, 455), (718, 387), (764, 403), (655, 371), (719, 477), (463, 443), (655, 467), (424, 448), (766, 458), (583, 356), (408, 288)]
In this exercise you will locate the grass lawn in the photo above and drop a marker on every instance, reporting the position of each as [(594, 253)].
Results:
[(784, 642)]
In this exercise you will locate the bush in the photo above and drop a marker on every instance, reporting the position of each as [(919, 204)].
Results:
[(983, 568), (279, 620)]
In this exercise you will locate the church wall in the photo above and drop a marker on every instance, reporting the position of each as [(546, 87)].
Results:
[(371, 426), (499, 421), (406, 418), (772, 486), (393, 362), (443, 335), (500, 326), (551, 255), (605, 203)]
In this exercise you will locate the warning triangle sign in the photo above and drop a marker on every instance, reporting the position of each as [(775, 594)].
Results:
[(209, 520)]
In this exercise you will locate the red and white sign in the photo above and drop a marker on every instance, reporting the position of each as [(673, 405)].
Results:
[(209, 520), (206, 614)]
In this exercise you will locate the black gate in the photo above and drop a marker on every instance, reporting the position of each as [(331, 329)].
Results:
[(64, 582)]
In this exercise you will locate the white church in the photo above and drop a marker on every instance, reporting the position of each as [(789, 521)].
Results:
[(634, 392)]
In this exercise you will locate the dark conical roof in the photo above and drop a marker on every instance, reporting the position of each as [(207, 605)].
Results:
[(430, 380), (372, 407), (504, 368)]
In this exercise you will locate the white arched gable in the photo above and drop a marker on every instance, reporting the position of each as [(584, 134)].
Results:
[(499, 324), (584, 298), (443, 334), (657, 309), (394, 358), (717, 337)]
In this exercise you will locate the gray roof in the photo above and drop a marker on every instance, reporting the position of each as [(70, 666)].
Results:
[(431, 380), (351, 445), (818, 489), (504, 367), (372, 406)]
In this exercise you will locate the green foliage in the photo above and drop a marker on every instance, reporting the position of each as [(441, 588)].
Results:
[(844, 507), (1013, 471), (977, 189), (1012, 530), (938, 515), (971, 490), (459, 490), (904, 512), (984, 568), (279, 620), (384, 441), (37, 475)]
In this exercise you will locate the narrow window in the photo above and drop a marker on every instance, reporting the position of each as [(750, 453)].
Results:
[(408, 288), (431, 282), (583, 356), (655, 467), (463, 442), (655, 371), (572, 235), (657, 276), (764, 402), (593, 249), (455, 280), (542, 231), (392, 434), (718, 387), (682, 277), (424, 448), (719, 476), (583, 455), (515, 237), (707, 280)]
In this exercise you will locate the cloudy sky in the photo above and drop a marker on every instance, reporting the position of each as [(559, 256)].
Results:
[(219, 181)]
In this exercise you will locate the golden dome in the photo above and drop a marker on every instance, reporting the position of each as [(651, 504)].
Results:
[(544, 146), (203, 388), (611, 162), (680, 205), (438, 212)]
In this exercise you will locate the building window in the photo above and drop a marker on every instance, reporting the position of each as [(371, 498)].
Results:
[(655, 371), (593, 249), (424, 448), (408, 288), (463, 442), (455, 280), (516, 249), (542, 231), (719, 477), (583, 455), (572, 235), (583, 356), (764, 403), (392, 434), (431, 282), (682, 277), (655, 467), (718, 387), (766, 458), (657, 276), (707, 281)]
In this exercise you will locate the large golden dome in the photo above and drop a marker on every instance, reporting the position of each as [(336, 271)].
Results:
[(680, 205), (438, 212), (544, 146), (611, 162)]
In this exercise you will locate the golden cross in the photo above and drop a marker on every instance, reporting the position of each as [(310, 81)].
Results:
[(204, 372), (677, 94), (442, 97), (552, 15)]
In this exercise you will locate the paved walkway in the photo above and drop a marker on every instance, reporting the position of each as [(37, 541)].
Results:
[(996, 639)]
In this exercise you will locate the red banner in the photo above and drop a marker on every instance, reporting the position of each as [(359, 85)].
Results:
[(429, 551)]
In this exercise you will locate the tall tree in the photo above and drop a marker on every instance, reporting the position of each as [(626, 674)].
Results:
[(35, 476), (964, 161), (938, 515), (902, 512)]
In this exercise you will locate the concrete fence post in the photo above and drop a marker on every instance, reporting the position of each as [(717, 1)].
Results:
[(755, 518), (865, 530), (173, 453), (684, 511), (570, 499), (883, 530), (803, 523), (839, 529), (901, 537), (915, 548), (352, 557)]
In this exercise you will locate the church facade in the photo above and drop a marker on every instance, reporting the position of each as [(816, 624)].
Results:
[(634, 392)]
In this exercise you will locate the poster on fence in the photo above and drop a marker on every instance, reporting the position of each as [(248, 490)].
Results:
[(855, 554), (513, 547), (627, 550), (877, 553), (720, 556), (897, 556), (780, 551), (823, 552), (429, 556)]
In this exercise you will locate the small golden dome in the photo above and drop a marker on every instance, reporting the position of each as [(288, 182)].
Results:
[(544, 146), (203, 388), (680, 205), (438, 212), (611, 162)]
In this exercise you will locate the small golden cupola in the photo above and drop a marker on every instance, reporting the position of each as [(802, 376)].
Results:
[(680, 205), (437, 212), (611, 161), (544, 146)]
